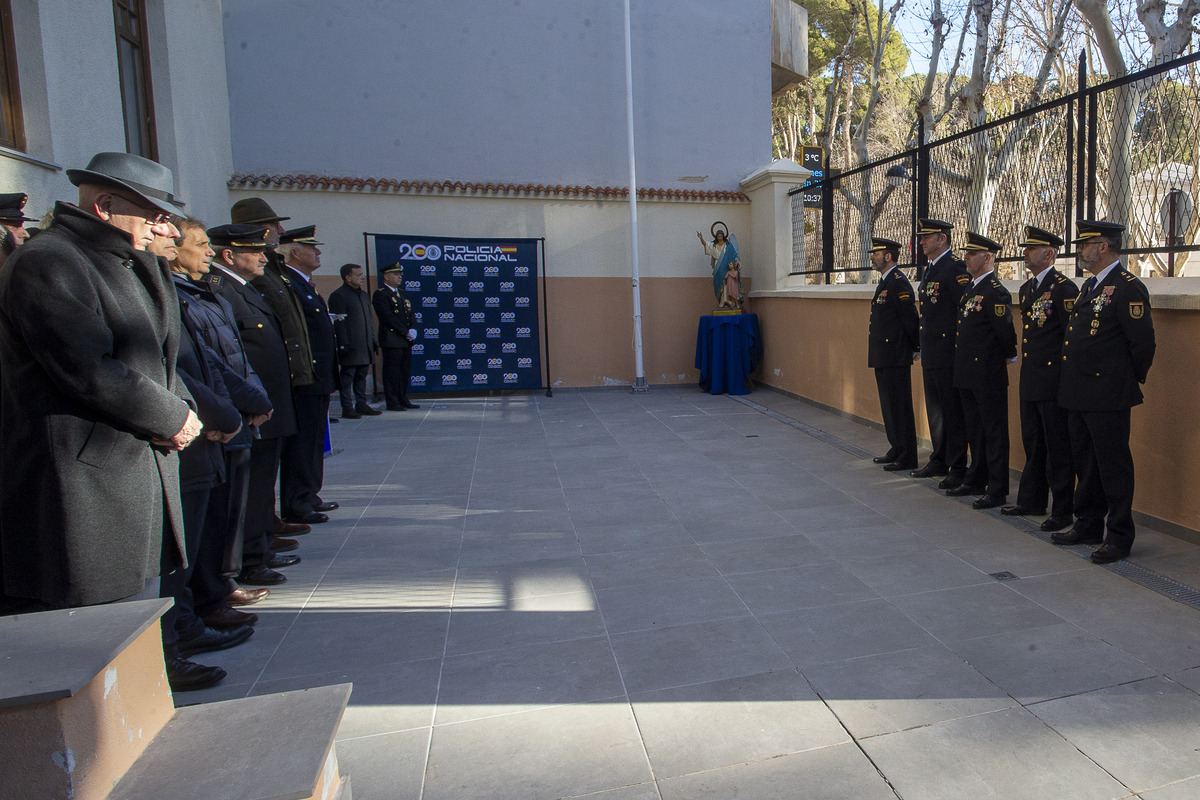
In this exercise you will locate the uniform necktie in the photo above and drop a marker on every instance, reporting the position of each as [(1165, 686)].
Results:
[(1088, 285)]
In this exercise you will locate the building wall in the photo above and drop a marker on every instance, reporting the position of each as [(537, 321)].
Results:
[(815, 344), (589, 291), (522, 92), (71, 103)]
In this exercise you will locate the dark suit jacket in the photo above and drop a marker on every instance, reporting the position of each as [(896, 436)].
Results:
[(940, 291), (1044, 324), (265, 348), (275, 285), (89, 333), (356, 341), (202, 463), (1109, 346), (986, 338), (320, 334), (395, 315), (895, 327)]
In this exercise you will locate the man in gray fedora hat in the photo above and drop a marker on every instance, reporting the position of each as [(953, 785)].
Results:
[(92, 410)]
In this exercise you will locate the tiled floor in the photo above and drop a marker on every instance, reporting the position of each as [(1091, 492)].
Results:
[(676, 595)]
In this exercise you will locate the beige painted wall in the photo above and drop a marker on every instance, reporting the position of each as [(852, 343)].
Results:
[(815, 343)]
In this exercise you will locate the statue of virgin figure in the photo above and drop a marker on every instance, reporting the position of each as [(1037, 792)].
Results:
[(726, 269)]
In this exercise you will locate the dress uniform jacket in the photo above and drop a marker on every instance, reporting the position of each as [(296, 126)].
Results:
[(1109, 345), (265, 349), (895, 326), (89, 334), (396, 317), (940, 290), (275, 285), (1044, 315), (320, 334), (986, 338)]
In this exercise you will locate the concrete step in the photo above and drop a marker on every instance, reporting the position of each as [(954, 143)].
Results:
[(272, 747), (82, 693)]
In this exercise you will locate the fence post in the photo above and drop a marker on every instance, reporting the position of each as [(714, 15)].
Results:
[(1080, 155), (827, 224), (922, 193)]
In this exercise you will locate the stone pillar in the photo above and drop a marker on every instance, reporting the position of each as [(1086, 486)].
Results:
[(771, 248)]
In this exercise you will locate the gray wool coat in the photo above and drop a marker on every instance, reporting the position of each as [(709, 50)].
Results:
[(89, 330), (356, 339)]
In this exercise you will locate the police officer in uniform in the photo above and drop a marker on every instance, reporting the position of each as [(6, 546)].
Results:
[(397, 331), (940, 290), (12, 222), (893, 336), (1106, 354), (985, 343), (1047, 299)]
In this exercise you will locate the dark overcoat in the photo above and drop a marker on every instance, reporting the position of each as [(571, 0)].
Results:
[(986, 339), (356, 341), (1044, 314), (1108, 348), (276, 286), (89, 332), (320, 333), (895, 327)]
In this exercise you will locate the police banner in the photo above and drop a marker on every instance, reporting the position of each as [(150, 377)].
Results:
[(476, 304)]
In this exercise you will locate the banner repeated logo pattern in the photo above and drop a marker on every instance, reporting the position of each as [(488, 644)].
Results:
[(481, 295)]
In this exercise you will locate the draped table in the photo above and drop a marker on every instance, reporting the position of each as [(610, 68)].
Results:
[(728, 347)]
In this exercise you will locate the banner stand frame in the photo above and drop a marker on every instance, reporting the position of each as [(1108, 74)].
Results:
[(541, 240)]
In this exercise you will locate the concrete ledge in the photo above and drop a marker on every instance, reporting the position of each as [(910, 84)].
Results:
[(272, 747)]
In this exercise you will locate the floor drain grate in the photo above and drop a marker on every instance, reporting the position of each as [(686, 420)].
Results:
[(819, 435)]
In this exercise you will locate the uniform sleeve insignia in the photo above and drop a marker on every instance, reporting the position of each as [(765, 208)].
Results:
[(905, 296), (1001, 309), (1136, 310), (1069, 304), (963, 280)]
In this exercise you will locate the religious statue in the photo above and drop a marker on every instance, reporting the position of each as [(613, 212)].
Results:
[(726, 269)]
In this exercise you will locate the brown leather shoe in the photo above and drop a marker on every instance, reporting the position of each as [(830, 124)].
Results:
[(225, 618), (282, 545), (242, 596), (289, 529)]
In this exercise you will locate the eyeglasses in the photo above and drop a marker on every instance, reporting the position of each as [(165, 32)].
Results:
[(151, 215)]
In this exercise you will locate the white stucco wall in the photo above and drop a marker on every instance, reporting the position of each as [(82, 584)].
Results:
[(70, 96), (522, 91)]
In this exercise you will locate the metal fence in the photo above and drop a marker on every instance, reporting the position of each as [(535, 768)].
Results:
[(1124, 150)]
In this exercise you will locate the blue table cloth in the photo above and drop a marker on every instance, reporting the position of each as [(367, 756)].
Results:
[(728, 348)]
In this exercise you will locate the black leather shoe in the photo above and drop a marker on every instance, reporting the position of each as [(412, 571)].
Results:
[(326, 507), (896, 466), (351, 414), (1107, 553), (211, 639), (887, 459), (1075, 536), (930, 471), (188, 676), (1022, 511), (367, 411), (261, 575), (412, 405), (227, 618), (397, 408), (949, 483), (962, 490), (989, 501), (311, 518), (279, 561), (1055, 523)]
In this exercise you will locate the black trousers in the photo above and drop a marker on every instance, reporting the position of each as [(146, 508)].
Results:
[(354, 385), (397, 366), (947, 428), (302, 458), (220, 556), (260, 502), (896, 405), (194, 505), (1100, 446), (986, 412), (1049, 467)]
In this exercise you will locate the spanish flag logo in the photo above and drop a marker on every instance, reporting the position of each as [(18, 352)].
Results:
[(509, 248)]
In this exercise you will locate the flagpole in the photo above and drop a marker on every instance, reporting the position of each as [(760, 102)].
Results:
[(639, 380)]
